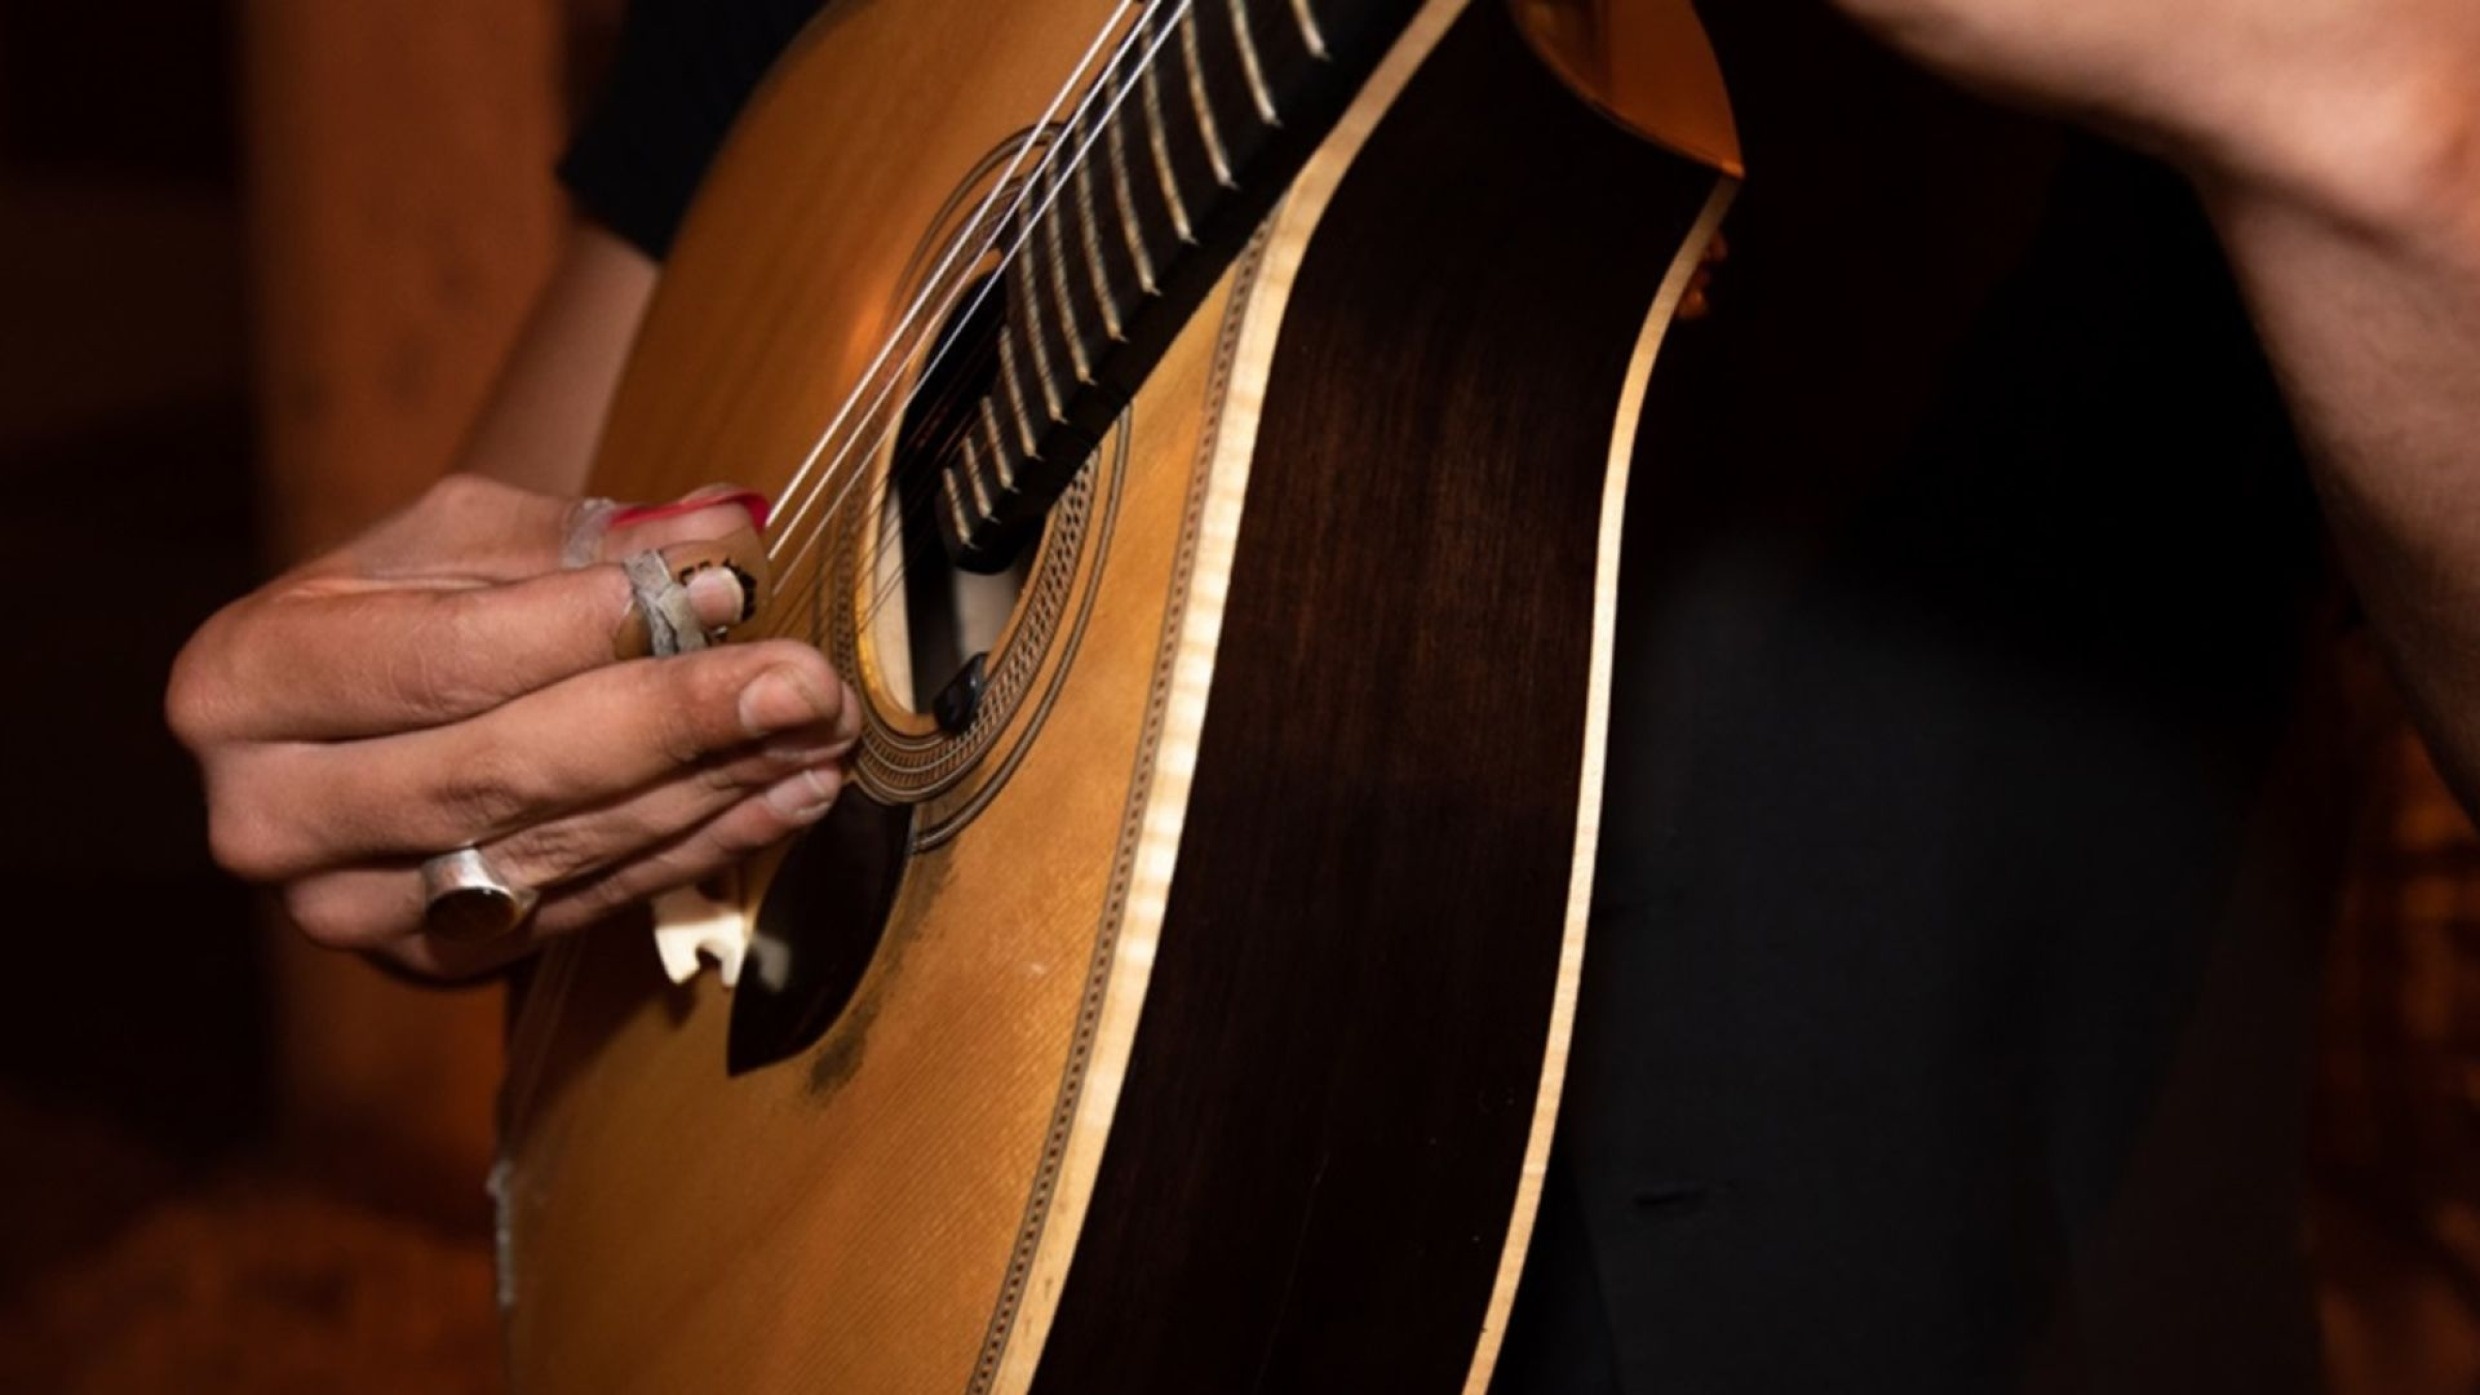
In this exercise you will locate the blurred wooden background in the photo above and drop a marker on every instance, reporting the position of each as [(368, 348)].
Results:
[(258, 263), (2394, 1157), (248, 1165), (400, 220)]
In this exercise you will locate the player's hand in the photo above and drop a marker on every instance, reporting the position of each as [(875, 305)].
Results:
[(448, 680)]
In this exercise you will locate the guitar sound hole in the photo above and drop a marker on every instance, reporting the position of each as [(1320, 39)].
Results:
[(825, 912), (930, 619), (818, 930)]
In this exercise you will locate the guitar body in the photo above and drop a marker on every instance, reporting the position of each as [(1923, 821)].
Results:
[(1206, 1034)]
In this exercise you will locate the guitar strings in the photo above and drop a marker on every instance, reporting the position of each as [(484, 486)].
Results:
[(1051, 157), (1058, 163), (885, 584), (887, 364), (938, 277), (884, 588), (557, 967)]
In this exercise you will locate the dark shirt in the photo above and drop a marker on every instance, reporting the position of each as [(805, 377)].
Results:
[(1944, 1007), (1963, 857), (682, 72)]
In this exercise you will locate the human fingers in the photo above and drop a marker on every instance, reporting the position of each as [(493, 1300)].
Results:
[(334, 659), (798, 777), (280, 810), (586, 867), (727, 840), (474, 528), (465, 527)]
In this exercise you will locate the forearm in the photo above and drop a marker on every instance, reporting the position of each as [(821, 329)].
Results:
[(2337, 145), (541, 426), (2366, 289)]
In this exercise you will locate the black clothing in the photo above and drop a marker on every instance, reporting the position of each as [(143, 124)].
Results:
[(683, 70), (1944, 1008)]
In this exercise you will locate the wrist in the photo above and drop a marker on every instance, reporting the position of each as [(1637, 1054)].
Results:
[(2392, 156)]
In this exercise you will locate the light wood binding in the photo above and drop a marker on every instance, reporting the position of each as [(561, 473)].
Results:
[(1623, 428), (860, 1220)]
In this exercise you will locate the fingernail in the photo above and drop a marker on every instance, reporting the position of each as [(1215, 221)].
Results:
[(750, 500), (780, 699), (718, 597), (806, 795)]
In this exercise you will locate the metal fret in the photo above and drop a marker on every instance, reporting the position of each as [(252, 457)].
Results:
[(1073, 332), (973, 477), (1084, 181), (1005, 460), (1044, 378), (1122, 195), (1160, 139), (955, 503), (1206, 127), (1258, 96), (1008, 371), (1310, 34), (1249, 65)]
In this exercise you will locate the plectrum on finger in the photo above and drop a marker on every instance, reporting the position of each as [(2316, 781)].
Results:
[(721, 603)]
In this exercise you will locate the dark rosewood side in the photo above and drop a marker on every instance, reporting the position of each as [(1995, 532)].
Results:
[(1347, 1022)]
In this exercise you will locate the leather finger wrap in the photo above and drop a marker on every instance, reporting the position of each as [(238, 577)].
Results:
[(671, 622)]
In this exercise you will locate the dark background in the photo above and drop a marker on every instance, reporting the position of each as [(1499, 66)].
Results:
[(258, 260)]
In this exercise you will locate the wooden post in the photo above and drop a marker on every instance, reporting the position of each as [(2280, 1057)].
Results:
[(402, 217)]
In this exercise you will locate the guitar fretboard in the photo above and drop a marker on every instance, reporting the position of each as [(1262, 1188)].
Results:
[(1154, 188)]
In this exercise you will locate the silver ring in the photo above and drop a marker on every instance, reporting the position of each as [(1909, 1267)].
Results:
[(464, 900)]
